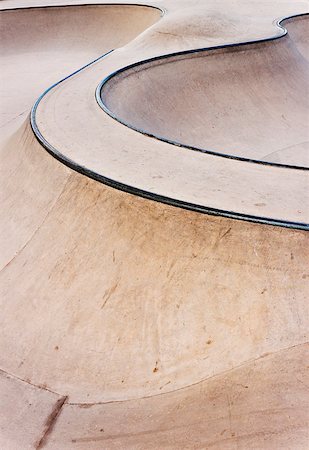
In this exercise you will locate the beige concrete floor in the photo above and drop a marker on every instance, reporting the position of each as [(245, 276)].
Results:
[(129, 323)]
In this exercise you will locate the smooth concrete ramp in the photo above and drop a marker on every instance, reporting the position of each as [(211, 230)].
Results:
[(39, 48), (127, 322), (249, 101)]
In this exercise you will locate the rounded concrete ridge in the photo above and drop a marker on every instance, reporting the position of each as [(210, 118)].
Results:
[(117, 83), (130, 323), (158, 171)]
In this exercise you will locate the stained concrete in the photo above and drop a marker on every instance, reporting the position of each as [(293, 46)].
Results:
[(128, 323)]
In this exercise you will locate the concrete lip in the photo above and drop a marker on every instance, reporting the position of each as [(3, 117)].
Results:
[(157, 172)]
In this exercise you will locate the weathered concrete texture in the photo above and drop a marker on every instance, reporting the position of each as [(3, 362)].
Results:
[(127, 323), (240, 286), (262, 405), (27, 413)]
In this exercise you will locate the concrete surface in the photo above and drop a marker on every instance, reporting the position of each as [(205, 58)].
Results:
[(258, 92), (130, 323)]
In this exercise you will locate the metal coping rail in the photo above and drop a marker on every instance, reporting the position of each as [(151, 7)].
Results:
[(140, 192)]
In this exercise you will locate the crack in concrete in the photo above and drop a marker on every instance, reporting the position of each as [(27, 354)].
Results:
[(250, 361), (37, 386), (88, 405)]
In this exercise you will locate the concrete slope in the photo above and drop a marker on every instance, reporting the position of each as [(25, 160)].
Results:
[(248, 101), (34, 57), (39, 48), (242, 409), (128, 323), (116, 298), (158, 170)]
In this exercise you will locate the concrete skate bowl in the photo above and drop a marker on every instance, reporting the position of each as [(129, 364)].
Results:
[(248, 102), (54, 50), (127, 323), (37, 49)]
